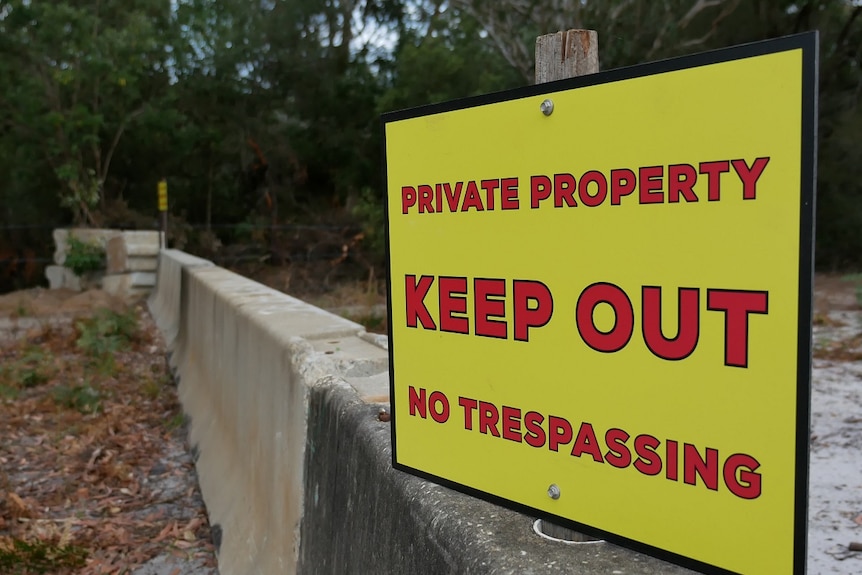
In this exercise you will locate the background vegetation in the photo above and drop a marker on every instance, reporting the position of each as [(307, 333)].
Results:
[(264, 114)]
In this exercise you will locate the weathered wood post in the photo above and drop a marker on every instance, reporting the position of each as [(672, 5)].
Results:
[(558, 56), (566, 55)]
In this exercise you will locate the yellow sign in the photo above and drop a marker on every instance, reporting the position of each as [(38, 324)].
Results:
[(163, 195), (614, 299)]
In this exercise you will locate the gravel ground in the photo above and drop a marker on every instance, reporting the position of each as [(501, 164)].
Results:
[(835, 476)]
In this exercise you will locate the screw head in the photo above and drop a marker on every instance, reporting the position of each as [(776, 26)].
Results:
[(547, 107), (554, 491)]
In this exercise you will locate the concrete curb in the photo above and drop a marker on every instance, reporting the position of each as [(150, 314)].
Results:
[(362, 516), (294, 465)]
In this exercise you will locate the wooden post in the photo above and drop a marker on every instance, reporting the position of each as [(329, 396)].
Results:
[(566, 55), (558, 56)]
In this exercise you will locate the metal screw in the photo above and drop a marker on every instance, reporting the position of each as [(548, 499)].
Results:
[(547, 107), (554, 491)]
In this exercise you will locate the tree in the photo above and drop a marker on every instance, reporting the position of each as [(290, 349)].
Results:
[(74, 99)]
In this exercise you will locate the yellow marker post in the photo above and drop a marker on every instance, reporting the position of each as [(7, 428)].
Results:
[(600, 299), (163, 195), (163, 209)]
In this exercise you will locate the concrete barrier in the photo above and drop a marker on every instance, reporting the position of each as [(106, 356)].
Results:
[(293, 462), (130, 261)]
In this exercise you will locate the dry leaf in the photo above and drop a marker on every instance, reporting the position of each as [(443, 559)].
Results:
[(19, 503)]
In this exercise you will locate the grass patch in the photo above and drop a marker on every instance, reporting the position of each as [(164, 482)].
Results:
[(82, 398), (32, 369), (106, 332), (177, 421), (22, 558), (153, 386)]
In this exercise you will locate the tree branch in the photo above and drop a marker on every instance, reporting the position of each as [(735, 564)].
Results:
[(116, 141), (696, 9), (618, 9), (728, 10), (845, 30)]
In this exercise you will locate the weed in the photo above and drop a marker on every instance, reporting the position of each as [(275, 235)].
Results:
[(33, 355), (106, 332), (83, 257), (8, 392), (105, 364), (32, 378), (30, 370), (151, 388), (82, 398), (177, 421), (20, 557)]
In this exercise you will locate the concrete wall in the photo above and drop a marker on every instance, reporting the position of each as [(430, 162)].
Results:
[(294, 463), (131, 258)]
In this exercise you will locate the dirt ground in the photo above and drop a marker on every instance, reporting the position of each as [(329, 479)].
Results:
[(155, 523), (95, 473)]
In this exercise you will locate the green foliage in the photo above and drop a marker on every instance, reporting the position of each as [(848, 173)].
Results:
[(76, 76), (103, 335), (102, 98), (176, 422), (25, 558), (83, 257), (32, 369), (82, 398)]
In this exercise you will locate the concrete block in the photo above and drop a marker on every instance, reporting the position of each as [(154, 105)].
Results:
[(60, 277), (142, 264), (362, 516), (364, 365), (123, 284), (294, 465), (128, 253), (115, 255), (142, 243), (164, 301)]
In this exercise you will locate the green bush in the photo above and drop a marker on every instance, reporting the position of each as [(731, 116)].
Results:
[(83, 257)]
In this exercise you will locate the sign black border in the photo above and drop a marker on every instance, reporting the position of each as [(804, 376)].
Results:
[(808, 42)]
